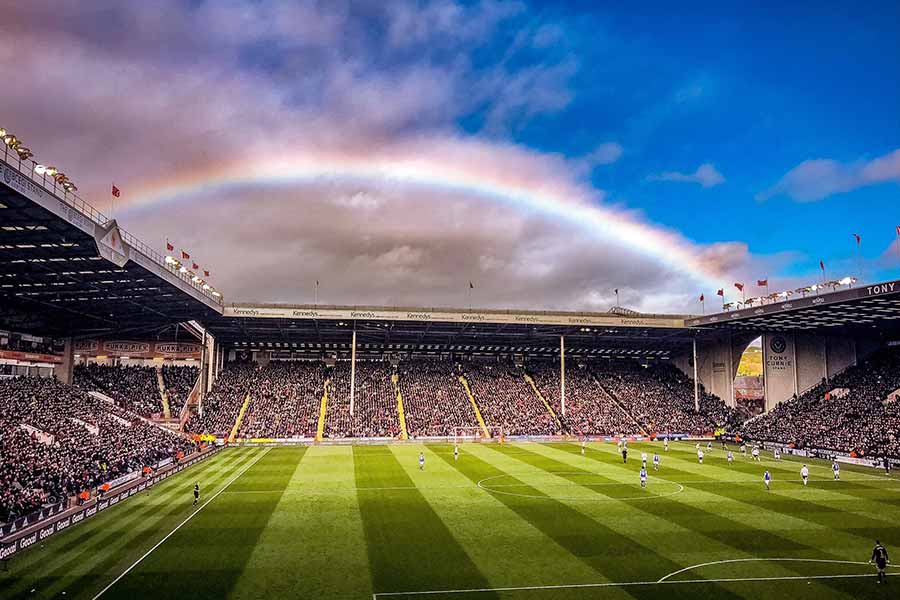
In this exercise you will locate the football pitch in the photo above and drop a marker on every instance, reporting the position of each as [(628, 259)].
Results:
[(517, 521)]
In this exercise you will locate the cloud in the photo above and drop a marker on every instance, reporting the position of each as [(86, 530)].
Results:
[(605, 154), (706, 175), (119, 93), (817, 179)]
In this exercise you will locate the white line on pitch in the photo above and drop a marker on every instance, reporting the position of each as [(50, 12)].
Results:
[(177, 527), (622, 584)]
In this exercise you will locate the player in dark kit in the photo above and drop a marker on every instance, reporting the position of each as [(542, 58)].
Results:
[(196, 493), (625, 455), (881, 560)]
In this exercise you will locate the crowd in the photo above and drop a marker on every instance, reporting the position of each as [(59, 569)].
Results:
[(847, 413), (590, 410), (374, 402), (57, 441), (434, 401), (179, 382), (132, 388), (223, 403), (507, 400), (285, 401), (660, 397)]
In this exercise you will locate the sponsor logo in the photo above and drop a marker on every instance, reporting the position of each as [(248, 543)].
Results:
[(466, 317), (62, 524), (787, 305), (46, 532), (883, 288), (418, 316), (6, 552), (579, 321), (758, 311), (78, 518), (114, 499), (305, 314), (247, 312), (103, 505), (362, 315), (526, 319), (778, 344), (818, 300), (7, 174), (131, 347), (91, 511)]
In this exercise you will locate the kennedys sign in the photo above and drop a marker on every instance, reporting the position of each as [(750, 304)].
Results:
[(449, 316), (12, 544)]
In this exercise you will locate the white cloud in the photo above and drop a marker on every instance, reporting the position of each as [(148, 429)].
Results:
[(816, 179), (605, 154), (706, 175)]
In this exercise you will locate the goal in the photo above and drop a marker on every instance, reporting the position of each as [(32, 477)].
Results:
[(476, 434)]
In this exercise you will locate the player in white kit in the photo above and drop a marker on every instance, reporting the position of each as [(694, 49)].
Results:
[(583, 442), (730, 457), (421, 461), (755, 453), (666, 444), (643, 460), (700, 456), (455, 452), (804, 474)]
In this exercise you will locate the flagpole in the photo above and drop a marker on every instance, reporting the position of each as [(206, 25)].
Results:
[(898, 241), (316, 296), (617, 297)]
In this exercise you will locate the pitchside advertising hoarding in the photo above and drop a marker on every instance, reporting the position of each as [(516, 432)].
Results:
[(19, 535), (137, 349), (446, 316)]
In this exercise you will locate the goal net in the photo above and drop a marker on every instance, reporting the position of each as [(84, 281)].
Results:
[(476, 434)]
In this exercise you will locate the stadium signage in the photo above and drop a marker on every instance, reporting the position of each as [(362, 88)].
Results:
[(136, 349), (20, 183), (874, 290), (450, 316), (10, 545)]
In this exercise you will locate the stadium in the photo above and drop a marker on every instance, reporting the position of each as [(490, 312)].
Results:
[(159, 439)]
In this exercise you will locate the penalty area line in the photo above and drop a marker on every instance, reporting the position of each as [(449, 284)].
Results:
[(179, 526), (574, 586)]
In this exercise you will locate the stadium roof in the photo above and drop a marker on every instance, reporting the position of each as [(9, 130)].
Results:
[(313, 329), (68, 270), (851, 310)]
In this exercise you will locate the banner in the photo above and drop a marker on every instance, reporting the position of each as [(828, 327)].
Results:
[(138, 349)]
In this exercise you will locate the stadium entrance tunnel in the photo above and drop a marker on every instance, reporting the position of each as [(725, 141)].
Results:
[(577, 487)]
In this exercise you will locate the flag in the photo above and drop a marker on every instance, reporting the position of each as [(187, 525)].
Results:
[(185, 255), (195, 266), (169, 247), (471, 286), (822, 265), (762, 283), (115, 191), (317, 283), (701, 298), (858, 238), (739, 286), (721, 292), (205, 273), (898, 229)]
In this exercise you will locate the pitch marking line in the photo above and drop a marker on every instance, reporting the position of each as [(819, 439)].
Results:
[(493, 489), (742, 560), (177, 527), (526, 588)]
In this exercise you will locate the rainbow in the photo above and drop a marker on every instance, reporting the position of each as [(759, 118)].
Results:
[(564, 202)]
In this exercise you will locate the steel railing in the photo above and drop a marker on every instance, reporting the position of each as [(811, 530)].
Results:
[(75, 202)]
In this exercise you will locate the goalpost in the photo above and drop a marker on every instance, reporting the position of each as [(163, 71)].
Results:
[(476, 434)]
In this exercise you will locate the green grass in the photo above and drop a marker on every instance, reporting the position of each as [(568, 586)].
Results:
[(350, 521)]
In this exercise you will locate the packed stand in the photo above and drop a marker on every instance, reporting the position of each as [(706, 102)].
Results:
[(374, 402), (506, 400), (862, 421), (179, 382), (57, 441), (434, 401), (660, 397), (133, 388), (589, 409), (285, 401), (223, 403)]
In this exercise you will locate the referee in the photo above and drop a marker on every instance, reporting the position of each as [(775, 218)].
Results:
[(196, 493), (881, 560)]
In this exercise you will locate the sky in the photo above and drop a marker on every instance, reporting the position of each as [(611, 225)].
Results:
[(549, 153)]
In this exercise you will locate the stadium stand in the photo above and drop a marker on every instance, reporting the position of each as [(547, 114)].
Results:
[(179, 383), (132, 388), (56, 441), (849, 413), (285, 400), (507, 401), (375, 404), (589, 409), (434, 401), (222, 404)]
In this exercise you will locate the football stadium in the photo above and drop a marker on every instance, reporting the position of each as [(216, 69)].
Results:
[(165, 433)]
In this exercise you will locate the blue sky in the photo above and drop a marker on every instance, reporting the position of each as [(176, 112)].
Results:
[(521, 145)]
